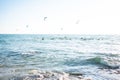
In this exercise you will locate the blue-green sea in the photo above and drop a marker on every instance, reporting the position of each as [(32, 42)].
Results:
[(95, 56)]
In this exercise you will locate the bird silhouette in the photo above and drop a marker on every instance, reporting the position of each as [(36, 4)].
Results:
[(26, 26), (45, 18)]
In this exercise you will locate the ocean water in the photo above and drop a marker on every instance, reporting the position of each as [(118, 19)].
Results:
[(95, 56)]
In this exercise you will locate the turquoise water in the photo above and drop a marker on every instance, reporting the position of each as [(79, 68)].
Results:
[(91, 55)]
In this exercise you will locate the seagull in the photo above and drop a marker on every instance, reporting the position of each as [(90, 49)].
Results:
[(61, 29), (45, 18), (26, 26), (77, 22)]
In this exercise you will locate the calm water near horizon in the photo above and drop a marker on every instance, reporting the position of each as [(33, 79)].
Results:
[(94, 56)]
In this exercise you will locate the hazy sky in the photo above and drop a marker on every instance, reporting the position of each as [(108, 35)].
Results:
[(60, 16)]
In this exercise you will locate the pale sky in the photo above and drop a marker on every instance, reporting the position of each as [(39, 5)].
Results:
[(62, 16)]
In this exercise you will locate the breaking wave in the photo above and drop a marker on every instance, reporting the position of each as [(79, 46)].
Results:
[(112, 63)]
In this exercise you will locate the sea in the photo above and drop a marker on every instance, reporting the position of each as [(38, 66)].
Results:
[(95, 56)]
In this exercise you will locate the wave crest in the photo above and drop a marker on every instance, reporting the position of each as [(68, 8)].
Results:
[(109, 62)]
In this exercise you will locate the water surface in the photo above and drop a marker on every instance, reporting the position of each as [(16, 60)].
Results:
[(70, 53)]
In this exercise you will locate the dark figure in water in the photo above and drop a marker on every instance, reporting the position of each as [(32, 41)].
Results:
[(42, 38)]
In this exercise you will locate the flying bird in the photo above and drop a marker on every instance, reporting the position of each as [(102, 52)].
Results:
[(61, 29), (77, 22), (26, 26), (45, 18)]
